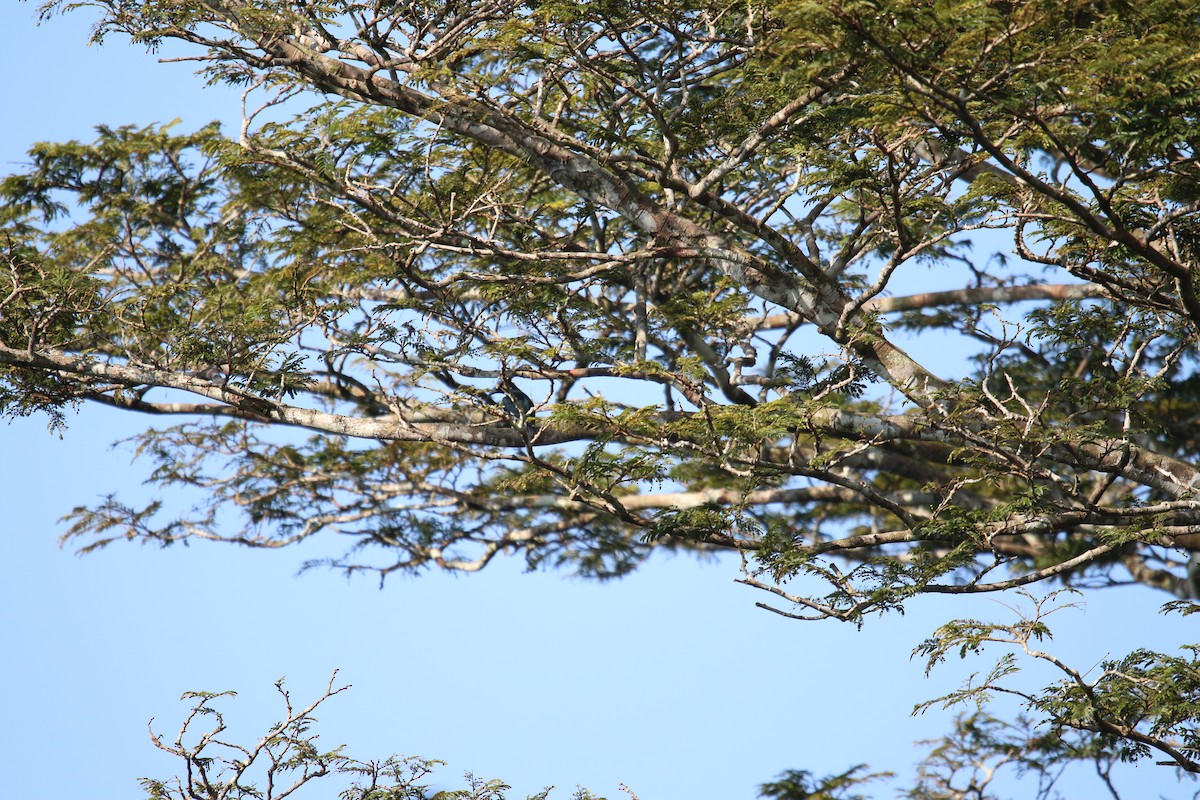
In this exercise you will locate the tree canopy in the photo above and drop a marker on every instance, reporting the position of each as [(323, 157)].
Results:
[(578, 281)]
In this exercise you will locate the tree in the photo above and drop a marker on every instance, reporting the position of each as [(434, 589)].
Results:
[(580, 281)]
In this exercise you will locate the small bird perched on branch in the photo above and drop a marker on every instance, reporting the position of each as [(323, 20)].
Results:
[(515, 402)]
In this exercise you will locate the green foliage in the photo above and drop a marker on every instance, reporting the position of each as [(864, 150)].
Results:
[(1144, 705), (800, 785), (580, 281)]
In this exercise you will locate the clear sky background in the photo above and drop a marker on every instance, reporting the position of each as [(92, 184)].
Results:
[(669, 681)]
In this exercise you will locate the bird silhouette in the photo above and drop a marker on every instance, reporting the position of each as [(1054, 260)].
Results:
[(515, 402)]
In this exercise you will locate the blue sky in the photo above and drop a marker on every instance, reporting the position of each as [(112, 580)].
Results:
[(670, 681)]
